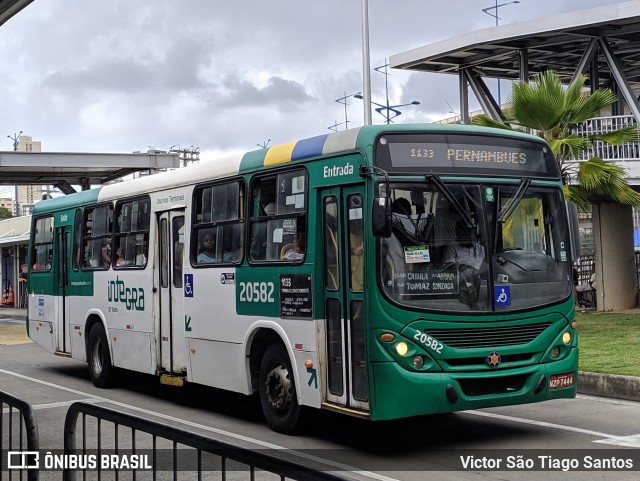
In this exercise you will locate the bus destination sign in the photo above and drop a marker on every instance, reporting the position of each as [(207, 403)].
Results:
[(466, 155)]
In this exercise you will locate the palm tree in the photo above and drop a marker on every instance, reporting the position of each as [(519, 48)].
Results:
[(552, 111)]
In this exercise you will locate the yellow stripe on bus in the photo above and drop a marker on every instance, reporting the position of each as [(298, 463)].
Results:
[(279, 154)]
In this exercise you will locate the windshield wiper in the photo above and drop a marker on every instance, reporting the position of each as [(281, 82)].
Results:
[(513, 201), (464, 213)]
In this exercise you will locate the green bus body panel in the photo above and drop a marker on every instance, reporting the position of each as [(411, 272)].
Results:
[(63, 210), (65, 202)]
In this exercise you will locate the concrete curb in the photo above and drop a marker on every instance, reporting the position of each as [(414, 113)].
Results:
[(609, 385)]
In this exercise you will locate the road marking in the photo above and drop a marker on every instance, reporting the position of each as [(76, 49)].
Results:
[(264, 444), (631, 441), (56, 405)]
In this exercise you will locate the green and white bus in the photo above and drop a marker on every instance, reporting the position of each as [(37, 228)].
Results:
[(382, 272)]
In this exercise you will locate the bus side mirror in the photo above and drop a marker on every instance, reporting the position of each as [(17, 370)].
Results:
[(381, 217), (574, 230)]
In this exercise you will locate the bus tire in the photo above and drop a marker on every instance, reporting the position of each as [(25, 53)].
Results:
[(278, 391), (98, 357)]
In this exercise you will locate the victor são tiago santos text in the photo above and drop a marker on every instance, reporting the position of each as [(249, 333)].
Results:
[(548, 463)]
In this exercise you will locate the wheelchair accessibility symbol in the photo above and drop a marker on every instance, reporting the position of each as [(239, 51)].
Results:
[(188, 285), (502, 295)]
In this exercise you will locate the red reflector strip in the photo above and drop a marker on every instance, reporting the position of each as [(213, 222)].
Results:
[(297, 346)]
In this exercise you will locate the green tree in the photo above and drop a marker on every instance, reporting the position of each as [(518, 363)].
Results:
[(5, 213), (552, 111)]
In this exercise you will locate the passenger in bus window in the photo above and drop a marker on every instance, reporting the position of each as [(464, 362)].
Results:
[(141, 258), (207, 254), (106, 252), (89, 260), (297, 250), (467, 251)]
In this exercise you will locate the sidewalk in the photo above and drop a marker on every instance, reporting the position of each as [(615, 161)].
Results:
[(12, 313), (596, 384)]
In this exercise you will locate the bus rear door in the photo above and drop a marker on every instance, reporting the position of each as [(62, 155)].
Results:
[(61, 267), (172, 324), (345, 369)]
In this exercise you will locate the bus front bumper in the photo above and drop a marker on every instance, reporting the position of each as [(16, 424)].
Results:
[(401, 393)]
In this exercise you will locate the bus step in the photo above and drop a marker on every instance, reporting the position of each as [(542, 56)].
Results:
[(172, 380), (62, 354), (345, 410)]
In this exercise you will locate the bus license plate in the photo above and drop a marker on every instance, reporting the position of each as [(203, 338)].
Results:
[(561, 380)]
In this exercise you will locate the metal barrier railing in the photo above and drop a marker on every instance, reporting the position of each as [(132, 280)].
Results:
[(170, 448), (19, 433)]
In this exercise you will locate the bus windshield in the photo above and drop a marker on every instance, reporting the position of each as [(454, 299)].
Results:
[(475, 247)]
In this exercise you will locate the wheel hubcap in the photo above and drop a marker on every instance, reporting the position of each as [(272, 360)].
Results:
[(278, 389)]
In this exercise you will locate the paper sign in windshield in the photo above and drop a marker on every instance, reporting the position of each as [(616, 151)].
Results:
[(416, 254)]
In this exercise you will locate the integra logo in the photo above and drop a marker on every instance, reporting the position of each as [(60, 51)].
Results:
[(336, 171), (132, 297)]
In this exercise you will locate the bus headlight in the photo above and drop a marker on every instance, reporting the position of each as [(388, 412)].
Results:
[(555, 352), (566, 337), (418, 362), (402, 348)]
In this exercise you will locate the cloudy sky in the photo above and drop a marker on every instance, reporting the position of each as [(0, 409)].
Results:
[(120, 76)]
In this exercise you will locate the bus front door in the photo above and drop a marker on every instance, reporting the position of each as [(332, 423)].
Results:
[(345, 367), (172, 323), (61, 266)]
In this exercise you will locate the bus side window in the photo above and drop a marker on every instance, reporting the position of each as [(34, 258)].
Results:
[(131, 237), (218, 224), (42, 241), (78, 258), (356, 242), (97, 239), (278, 224)]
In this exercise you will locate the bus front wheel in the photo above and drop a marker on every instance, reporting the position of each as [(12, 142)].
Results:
[(278, 391), (100, 368)]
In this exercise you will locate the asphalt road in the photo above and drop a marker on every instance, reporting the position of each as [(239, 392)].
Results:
[(457, 446)]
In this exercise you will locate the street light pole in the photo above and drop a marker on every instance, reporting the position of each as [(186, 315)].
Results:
[(16, 141), (343, 100), (366, 63), (386, 78), (387, 110), (486, 10)]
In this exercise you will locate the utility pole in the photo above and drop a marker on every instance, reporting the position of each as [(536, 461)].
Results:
[(16, 141), (187, 155)]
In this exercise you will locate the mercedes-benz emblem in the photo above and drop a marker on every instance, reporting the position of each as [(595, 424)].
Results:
[(493, 359)]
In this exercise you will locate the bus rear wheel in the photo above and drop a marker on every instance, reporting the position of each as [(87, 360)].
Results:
[(100, 368), (278, 391)]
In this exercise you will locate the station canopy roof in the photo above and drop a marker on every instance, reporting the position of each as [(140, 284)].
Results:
[(8, 8), (64, 169), (557, 43)]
